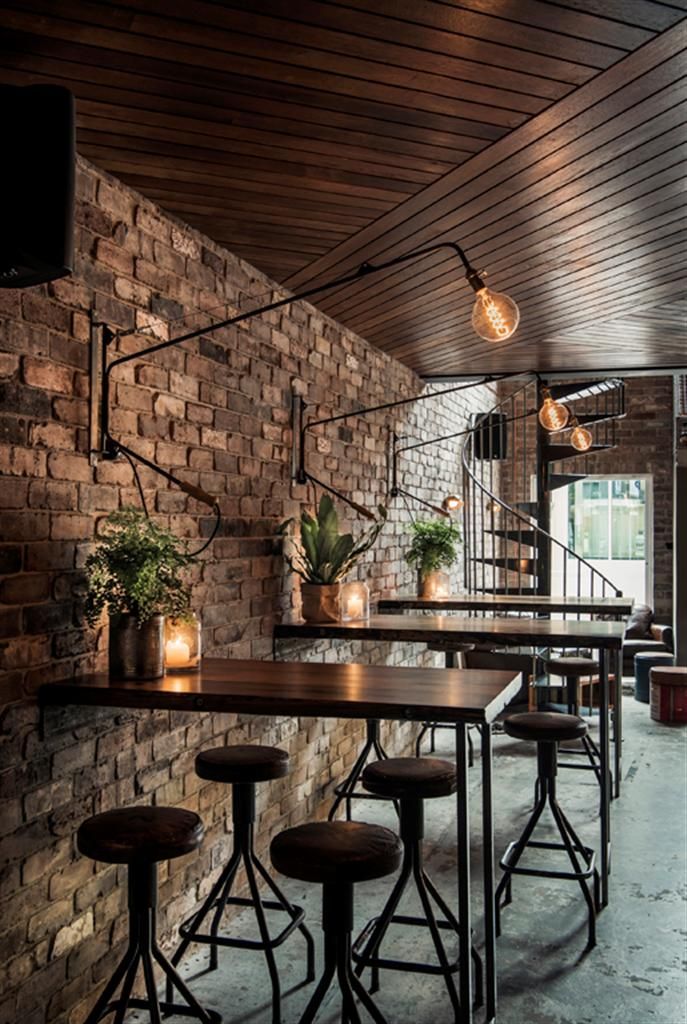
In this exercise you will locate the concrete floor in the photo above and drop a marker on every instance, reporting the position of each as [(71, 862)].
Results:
[(634, 976)]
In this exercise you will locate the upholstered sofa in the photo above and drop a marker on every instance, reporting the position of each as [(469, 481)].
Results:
[(643, 634)]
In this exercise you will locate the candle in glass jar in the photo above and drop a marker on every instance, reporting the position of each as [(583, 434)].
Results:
[(177, 653), (354, 606)]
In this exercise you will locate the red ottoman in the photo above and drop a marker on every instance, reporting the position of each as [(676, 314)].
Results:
[(669, 693)]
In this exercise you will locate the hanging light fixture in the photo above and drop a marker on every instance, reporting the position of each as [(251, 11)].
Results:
[(553, 415), (452, 503), (495, 316), (580, 438)]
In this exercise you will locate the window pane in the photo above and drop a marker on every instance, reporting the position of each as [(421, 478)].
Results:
[(628, 529), (588, 519)]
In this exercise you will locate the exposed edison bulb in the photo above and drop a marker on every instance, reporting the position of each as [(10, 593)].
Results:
[(452, 503), (495, 317), (553, 415), (581, 439)]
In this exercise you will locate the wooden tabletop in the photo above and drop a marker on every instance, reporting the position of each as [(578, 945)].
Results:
[(445, 628), (305, 689), (619, 606)]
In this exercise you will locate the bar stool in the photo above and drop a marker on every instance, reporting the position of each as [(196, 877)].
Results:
[(411, 781), (140, 837), (346, 790), (547, 729), (337, 854), (572, 668), (242, 767)]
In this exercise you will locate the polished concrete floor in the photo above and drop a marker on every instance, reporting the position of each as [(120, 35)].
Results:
[(636, 973)]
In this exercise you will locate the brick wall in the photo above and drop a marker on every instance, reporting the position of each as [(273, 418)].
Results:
[(215, 411)]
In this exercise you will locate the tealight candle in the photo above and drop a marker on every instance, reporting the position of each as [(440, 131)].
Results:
[(177, 653), (355, 601)]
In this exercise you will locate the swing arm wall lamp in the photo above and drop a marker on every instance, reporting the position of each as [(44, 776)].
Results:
[(501, 320)]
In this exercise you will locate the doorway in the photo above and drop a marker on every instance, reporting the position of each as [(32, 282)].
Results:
[(608, 521)]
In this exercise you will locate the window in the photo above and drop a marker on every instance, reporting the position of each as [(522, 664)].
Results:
[(607, 519)]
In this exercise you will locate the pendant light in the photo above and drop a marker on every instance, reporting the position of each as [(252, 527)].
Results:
[(495, 316), (580, 438), (553, 415)]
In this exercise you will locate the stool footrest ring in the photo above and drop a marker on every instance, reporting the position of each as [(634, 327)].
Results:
[(588, 854), (186, 929)]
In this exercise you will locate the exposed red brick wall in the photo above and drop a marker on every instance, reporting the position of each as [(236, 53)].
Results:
[(217, 412)]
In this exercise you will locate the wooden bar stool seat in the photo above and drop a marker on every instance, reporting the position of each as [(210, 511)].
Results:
[(141, 837), (410, 781), (337, 854), (547, 729), (241, 767)]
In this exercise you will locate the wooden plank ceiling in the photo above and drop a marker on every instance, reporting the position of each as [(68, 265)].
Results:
[(310, 136)]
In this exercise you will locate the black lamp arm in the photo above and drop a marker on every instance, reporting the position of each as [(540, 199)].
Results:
[(114, 447)]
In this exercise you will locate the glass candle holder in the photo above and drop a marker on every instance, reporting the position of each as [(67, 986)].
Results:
[(355, 601), (436, 584), (182, 644)]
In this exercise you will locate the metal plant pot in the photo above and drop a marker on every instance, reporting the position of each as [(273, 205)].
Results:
[(321, 602), (137, 652)]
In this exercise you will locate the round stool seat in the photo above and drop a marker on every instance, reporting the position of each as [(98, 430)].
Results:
[(422, 777), (140, 835), (572, 667), (243, 763), (545, 726), (336, 851)]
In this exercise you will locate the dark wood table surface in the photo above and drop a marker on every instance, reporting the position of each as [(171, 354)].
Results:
[(461, 696), (617, 606), (304, 688), (441, 628)]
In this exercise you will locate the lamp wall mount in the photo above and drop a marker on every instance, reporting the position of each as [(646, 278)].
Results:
[(104, 445)]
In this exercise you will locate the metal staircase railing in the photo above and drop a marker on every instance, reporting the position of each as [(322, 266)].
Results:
[(509, 470)]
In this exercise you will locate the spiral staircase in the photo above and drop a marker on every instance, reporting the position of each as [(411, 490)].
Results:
[(511, 466)]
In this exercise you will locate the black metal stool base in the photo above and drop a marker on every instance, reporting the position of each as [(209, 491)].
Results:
[(346, 790), (337, 922), (431, 728), (581, 857), (372, 935), (143, 952), (220, 898)]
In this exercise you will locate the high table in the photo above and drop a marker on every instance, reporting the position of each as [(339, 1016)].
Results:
[(537, 604), (459, 696), (534, 604), (606, 637)]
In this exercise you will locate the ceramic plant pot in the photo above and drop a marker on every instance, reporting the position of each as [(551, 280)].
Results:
[(137, 652), (321, 602)]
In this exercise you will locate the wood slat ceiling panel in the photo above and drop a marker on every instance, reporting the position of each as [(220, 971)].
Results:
[(310, 137)]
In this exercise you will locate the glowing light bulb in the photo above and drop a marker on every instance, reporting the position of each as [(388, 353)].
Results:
[(495, 317), (452, 503), (581, 439), (553, 415)]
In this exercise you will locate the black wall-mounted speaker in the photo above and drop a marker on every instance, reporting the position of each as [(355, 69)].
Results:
[(36, 184), (491, 435)]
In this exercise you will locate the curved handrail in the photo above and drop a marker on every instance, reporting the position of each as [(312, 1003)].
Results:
[(527, 521)]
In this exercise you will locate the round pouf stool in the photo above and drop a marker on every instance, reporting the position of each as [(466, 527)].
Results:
[(547, 729), (337, 854), (242, 767), (410, 781), (644, 662), (141, 837), (572, 668)]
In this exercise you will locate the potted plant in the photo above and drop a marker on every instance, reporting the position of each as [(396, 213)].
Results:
[(434, 547), (136, 574), (324, 556)]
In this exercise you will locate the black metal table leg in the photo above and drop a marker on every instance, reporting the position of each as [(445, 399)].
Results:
[(604, 748), (488, 872), (617, 720), (463, 858)]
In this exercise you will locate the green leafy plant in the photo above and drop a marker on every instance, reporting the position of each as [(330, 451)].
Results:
[(325, 555), (136, 568), (434, 544)]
